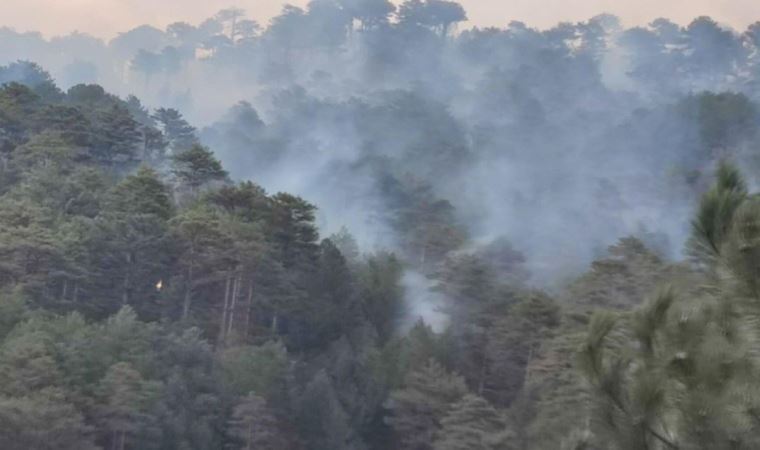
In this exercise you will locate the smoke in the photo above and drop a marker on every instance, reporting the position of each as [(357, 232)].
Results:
[(561, 140), (106, 17), (423, 303)]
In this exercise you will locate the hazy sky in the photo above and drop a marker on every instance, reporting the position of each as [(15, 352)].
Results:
[(105, 18)]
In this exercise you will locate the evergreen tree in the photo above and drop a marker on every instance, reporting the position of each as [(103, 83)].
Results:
[(324, 423), (716, 210), (116, 138), (347, 245), (48, 150), (698, 347), (179, 134), (380, 291), (136, 251), (294, 233), (472, 424), (44, 421), (125, 403), (260, 369), (254, 426), (202, 243), (197, 167), (416, 410)]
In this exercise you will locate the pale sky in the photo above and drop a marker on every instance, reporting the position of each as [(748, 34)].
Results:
[(105, 18)]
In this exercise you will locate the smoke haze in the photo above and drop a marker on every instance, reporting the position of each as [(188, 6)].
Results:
[(425, 137), (105, 18)]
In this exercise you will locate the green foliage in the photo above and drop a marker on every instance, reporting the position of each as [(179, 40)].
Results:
[(253, 425), (43, 420), (126, 400), (426, 223), (619, 280), (715, 214), (12, 312), (141, 194), (472, 423), (134, 242), (148, 301), (551, 411), (417, 409), (32, 75), (197, 167), (741, 251), (379, 280), (722, 118), (260, 370), (347, 245), (179, 135), (153, 304), (679, 372), (324, 423)]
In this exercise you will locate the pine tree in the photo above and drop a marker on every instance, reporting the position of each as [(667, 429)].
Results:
[(43, 420), (135, 250), (294, 233), (347, 245), (116, 139), (48, 150), (680, 371), (380, 291), (260, 369), (321, 417), (254, 425), (202, 243), (619, 280), (472, 424), (197, 167), (27, 364), (714, 215), (125, 402), (334, 308), (28, 251), (417, 409), (179, 134)]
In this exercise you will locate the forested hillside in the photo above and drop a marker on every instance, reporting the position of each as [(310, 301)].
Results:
[(516, 253), (352, 104)]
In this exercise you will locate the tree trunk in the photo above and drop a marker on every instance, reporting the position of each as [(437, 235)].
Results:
[(249, 443), (249, 310), (233, 302), (127, 279), (526, 377), (65, 289), (222, 328), (482, 382), (188, 294)]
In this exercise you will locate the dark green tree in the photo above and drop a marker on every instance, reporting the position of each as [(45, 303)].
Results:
[(472, 423), (136, 247), (254, 426), (197, 167), (179, 134), (416, 410)]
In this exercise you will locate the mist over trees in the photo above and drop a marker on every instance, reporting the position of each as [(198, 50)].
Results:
[(372, 91), (362, 226)]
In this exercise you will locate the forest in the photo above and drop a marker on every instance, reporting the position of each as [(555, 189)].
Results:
[(364, 227)]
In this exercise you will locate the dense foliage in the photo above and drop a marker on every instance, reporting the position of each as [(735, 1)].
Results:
[(155, 295), (150, 302), (360, 105)]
